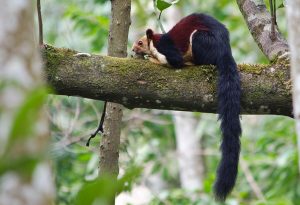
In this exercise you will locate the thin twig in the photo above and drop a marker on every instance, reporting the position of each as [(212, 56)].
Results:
[(40, 20), (158, 20), (159, 15), (160, 24), (249, 177), (273, 18), (100, 127)]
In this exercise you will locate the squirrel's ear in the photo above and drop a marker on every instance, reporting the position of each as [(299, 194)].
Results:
[(149, 34)]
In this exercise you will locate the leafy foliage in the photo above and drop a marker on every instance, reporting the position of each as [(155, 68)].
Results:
[(91, 25), (27, 113), (102, 190), (162, 4), (23, 127)]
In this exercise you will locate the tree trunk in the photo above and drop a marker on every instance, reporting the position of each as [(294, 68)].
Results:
[(293, 13), (25, 173), (191, 166), (117, 46)]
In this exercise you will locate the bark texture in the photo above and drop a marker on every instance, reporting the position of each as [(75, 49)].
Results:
[(259, 23), (293, 11), (25, 173), (134, 83), (117, 46)]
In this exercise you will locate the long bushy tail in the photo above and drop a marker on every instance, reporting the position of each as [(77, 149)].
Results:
[(229, 93)]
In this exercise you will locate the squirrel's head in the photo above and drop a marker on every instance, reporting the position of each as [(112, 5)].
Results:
[(142, 46)]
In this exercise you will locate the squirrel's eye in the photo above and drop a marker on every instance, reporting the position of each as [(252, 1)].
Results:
[(140, 43)]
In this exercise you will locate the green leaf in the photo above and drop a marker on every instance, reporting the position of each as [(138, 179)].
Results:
[(26, 116), (162, 5), (23, 164), (90, 25), (100, 1), (126, 181), (102, 191)]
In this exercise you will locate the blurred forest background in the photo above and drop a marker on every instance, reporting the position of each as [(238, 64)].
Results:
[(268, 172)]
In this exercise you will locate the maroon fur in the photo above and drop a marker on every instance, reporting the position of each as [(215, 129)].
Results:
[(181, 32)]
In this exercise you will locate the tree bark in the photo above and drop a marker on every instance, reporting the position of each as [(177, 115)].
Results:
[(138, 83), (293, 14), (117, 46), (259, 23), (25, 173)]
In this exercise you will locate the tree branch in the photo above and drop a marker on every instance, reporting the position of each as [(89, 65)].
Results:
[(40, 21), (259, 22), (138, 83)]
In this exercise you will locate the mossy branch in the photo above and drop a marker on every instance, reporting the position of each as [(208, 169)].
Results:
[(141, 84)]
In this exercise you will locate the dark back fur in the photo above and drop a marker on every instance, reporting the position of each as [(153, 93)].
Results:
[(211, 46), (166, 46)]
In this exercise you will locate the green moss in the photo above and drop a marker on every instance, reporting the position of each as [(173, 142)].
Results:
[(158, 75), (144, 82), (53, 57), (253, 68)]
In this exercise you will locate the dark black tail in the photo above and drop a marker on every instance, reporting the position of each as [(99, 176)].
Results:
[(229, 93)]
